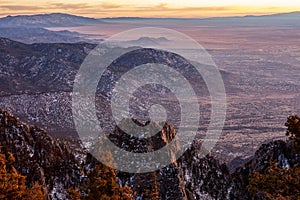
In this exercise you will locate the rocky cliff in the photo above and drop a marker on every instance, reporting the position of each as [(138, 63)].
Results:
[(57, 165)]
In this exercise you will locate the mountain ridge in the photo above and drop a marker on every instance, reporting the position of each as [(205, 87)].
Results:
[(243, 16), (57, 167), (39, 157), (47, 20), (95, 20)]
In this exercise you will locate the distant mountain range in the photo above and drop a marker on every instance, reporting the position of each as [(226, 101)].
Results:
[(281, 19), (34, 28), (291, 15), (68, 20), (31, 35), (280, 15), (47, 20)]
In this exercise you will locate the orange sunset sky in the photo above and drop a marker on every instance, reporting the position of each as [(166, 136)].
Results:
[(152, 8)]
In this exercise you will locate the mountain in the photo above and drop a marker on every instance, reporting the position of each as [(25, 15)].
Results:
[(190, 177), (52, 163), (31, 35), (205, 178), (276, 20), (33, 28), (291, 15), (273, 20), (148, 41), (67, 20), (57, 165), (39, 157), (40, 77), (281, 152), (39, 68), (47, 20), (281, 19), (39, 80)]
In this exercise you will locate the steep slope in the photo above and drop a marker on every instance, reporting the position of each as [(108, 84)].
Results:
[(190, 177), (279, 151), (37, 82), (40, 157), (39, 68), (39, 79), (193, 177), (56, 167)]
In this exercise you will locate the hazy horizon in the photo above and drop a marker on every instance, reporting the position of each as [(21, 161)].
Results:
[(149, 17), (155, 8)]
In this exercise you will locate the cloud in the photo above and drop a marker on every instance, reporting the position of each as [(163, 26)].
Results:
[(163, 9), (68, 6), (117, 9), (20, 8), (160, 6), (110, 5)]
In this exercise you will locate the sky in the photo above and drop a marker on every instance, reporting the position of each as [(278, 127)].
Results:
[(150, 8)]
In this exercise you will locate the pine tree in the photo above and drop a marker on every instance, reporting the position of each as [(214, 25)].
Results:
[(152, 192), (102, 184), (12, 184), (35, 192), (74, 194), (276, 183), (293, 129)]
